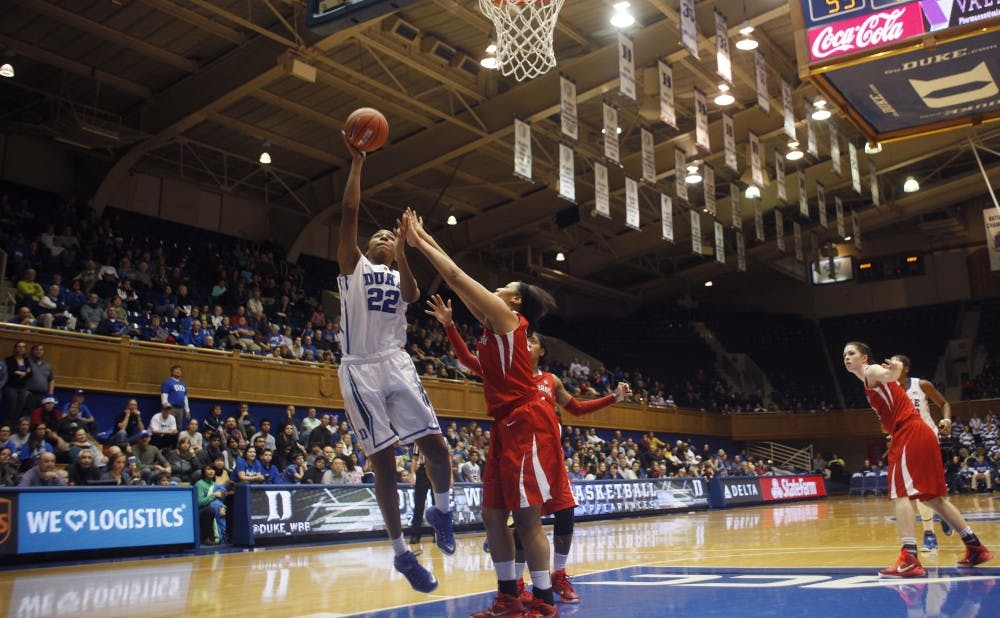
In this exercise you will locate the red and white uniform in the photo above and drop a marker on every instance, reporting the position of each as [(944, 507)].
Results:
[(915, 468), (525, 433), (552, 461)]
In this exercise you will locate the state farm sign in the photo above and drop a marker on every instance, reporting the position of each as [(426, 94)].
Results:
[(867, 32), (792, 487)]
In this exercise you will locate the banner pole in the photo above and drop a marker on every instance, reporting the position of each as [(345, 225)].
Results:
[(986, 178)]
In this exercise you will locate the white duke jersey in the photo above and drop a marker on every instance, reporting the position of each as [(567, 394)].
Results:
[(372, 310), (919, 398)]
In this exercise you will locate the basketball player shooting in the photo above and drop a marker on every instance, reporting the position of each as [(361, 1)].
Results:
[(383, 397)]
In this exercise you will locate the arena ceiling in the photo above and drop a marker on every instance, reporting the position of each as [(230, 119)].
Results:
[(195, 88)]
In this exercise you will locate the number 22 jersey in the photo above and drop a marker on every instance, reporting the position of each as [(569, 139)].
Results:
[(372, 310)]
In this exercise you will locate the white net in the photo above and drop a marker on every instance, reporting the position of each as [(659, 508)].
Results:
[(524, 31)]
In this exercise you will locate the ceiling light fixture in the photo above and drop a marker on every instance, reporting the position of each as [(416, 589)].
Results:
[(7, 70), (452, 220), (708, 284), (820, 111), (622, 18), (265, 157), (794, 154), (846, 238), (746, 41), (724, 98), (752, 192), (560, 257), (911, 185), (490, 61), (872, 148), (618, 131), (693, 175)]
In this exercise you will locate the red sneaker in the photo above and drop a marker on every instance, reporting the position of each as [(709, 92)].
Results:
[(540, 609), (563, 589), (522, 593), (975, 554), (906, 566), (504, 605)]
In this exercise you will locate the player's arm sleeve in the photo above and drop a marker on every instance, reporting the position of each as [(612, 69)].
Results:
[(579, 408), (462, 352)]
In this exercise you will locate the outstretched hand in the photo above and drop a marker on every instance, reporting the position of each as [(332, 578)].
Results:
[(623, 392), (439, 309), (414, 226), (357, 155), (402, 225)]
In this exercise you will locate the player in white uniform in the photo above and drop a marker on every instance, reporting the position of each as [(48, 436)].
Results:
[(383, 397), (920, 391)]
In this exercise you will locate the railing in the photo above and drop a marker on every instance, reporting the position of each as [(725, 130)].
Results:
[(783, 456)]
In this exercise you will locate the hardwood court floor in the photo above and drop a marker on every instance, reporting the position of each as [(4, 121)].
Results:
[(843, 539)]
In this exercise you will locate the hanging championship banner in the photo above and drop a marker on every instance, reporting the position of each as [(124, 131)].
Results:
[(736, 201), (696, 232), (689, 29), (701, 121), (758, 221), (720, 244), (723, 61), (756, 162), (812, 147), (779, 176), (779, 228), (567, 173), (708, 180), (567, 107), (631, 203), (821, 203), (797, 239), (835, 148), (991, 219), (648, 156), (760, 71), (667, 216), (787, 108), (611, 133), (852, 150), (856, 224), (741, 252), (626, 66), (680, 171), (668, 113), (602, 198), (838, 208), (522, 149), (873, 178), (729, 139), (803, 196)]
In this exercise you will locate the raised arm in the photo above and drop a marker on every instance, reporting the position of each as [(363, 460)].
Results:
[(348, 252), (497, 316), (886, 372), (442, 312), (580, 408), (408, 287)]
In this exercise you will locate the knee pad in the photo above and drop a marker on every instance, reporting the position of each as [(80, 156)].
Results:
[(563, 525)]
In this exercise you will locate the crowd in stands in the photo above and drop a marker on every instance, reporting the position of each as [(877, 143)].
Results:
[(986, 385), (972, 454)]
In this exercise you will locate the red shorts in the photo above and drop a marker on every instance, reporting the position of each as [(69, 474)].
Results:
[(524, 466), (915, 467)]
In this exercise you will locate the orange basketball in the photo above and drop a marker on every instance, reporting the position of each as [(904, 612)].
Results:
[(366, 129)]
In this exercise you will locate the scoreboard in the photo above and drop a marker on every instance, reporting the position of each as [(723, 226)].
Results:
[(902, 68)]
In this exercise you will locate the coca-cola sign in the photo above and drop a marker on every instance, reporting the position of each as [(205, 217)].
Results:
[(866, 32)]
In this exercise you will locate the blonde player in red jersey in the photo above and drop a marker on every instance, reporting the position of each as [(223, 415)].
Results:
[(514, 482), (552, 391), (915, 469)]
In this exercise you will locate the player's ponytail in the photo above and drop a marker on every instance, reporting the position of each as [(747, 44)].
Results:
[(535, 303)]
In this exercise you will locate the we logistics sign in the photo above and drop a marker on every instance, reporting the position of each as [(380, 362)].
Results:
[(59, 520), (744, 490)]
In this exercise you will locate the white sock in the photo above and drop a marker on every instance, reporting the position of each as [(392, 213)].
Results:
[(399, 545), (505, 571), (442, 502), (519, 569), (541, 580), (559, 561)]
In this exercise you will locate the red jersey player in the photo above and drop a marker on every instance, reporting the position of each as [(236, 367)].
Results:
[(915, 470), (551, 390), (514, 482)]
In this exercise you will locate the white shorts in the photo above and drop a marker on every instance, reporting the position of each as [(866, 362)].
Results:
[(385, 401)]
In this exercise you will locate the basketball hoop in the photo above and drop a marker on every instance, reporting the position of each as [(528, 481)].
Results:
[(524, 35)]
